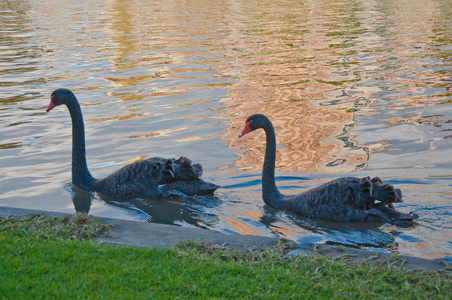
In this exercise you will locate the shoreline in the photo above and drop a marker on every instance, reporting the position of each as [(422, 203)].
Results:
[(148, 235)]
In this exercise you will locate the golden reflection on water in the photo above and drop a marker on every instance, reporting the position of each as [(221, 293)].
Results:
[(164, 41), (296, 57), (154, 134)]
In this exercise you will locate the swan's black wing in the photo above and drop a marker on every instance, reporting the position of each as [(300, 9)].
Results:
[(155, 177), (350, 199)]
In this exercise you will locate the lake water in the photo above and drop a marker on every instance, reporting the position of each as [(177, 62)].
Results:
[(353, 87)]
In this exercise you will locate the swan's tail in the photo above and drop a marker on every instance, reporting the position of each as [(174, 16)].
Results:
[(380, 199), (184, 176), (384, 193), (185, 169)]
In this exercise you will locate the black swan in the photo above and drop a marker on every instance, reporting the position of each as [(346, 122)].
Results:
[(344, 199), (154, 177)]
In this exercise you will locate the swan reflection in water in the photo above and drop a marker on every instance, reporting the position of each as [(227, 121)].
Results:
[(376, 235), (186, 211)]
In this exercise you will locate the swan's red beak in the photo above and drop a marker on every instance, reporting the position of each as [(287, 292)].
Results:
[(246, 129), (51, 105)]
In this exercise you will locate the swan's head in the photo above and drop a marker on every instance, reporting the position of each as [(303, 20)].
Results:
[(254, 122), (58, 97)]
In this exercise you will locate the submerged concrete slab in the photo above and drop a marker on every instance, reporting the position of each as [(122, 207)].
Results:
[(140, 234)]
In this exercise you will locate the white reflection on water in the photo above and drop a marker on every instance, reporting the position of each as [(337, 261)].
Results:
[(353, 86)]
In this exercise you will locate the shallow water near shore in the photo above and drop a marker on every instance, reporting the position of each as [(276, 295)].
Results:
[(353, 88)]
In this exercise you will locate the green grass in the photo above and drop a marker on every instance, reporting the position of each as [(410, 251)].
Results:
[(45, 257)]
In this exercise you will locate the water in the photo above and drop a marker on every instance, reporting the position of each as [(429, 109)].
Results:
[(358, 88)]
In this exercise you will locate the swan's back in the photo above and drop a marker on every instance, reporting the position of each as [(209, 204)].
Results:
[(154, 178), (349, 199)]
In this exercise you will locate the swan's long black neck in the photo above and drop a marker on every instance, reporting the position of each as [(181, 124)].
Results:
[(81, 176), (270, 192)]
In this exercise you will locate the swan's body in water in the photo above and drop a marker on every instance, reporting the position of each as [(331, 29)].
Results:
[(150, 178), (343, 199)]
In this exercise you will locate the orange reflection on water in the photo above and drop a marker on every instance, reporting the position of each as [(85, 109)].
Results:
[(313, 67), (302, 130), (282, 69)]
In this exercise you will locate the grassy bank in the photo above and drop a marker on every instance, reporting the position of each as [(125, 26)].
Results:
[(45, 257)]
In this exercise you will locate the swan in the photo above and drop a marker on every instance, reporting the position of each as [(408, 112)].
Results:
[(154, 177), (343, 199)]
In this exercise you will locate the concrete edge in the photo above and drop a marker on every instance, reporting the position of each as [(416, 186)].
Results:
[(148, 235)]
